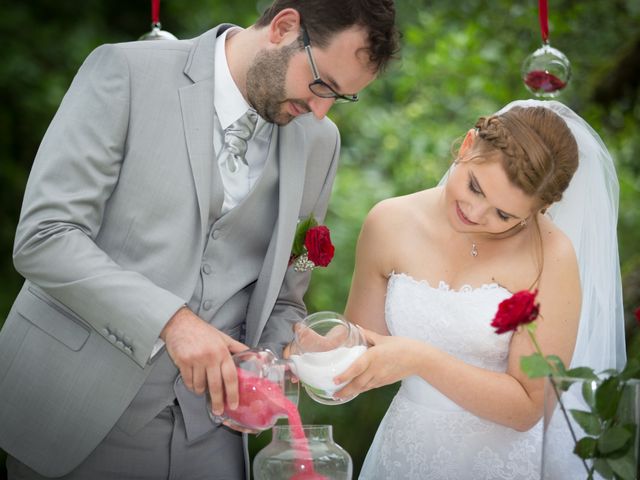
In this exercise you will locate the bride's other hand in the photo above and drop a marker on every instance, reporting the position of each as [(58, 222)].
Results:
[(388, 360)]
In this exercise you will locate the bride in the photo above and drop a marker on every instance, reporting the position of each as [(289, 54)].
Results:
[(432, 267)]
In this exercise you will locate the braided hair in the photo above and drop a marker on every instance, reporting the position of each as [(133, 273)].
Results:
[(539, 152)]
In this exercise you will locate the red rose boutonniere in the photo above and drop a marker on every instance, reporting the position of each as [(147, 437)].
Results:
[(312, 246)]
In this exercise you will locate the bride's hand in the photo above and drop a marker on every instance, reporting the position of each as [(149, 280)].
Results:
[(388, 360)]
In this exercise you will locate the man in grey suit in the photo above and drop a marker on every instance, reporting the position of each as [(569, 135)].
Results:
[(151, 254)]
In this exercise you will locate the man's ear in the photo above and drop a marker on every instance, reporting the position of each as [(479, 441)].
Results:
[(284, 26), (467, 143)]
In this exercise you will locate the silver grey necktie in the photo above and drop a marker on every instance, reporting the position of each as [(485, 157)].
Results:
[(235, 140)]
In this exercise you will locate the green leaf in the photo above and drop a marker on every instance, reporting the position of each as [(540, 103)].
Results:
[(589, 422), (589, 393), (585, 373), (301, 233), (613, 439), (557, 364), (631, 369), (586, 447), (624, 467), (608, 396), (603, 468), (535, 366)]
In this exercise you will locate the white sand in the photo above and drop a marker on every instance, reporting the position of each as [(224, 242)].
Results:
[(319, 368)]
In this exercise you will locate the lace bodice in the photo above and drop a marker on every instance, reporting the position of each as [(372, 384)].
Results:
[(456, 321), (424, 435)]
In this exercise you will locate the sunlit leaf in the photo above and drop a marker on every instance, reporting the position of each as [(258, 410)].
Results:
[(535, 366)]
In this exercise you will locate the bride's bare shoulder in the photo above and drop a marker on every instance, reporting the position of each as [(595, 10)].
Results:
[(557, 246), (397, 211)]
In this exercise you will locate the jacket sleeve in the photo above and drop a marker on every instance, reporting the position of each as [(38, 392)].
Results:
[(74, 173)]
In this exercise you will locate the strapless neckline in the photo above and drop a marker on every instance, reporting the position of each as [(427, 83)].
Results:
[(444, 286)]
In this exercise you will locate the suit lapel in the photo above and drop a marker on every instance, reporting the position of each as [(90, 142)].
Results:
[(292, 164), (197, 108), (196, 102)]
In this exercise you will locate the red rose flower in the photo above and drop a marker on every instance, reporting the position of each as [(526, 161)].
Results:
[(517, 310), (637, 314), (319, 247)]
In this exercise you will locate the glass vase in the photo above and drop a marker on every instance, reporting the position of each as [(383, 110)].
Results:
[(265, 389), (306, 453), (325, 345), (601, 417)]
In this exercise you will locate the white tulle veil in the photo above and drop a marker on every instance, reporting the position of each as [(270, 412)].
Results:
[(588, 214)]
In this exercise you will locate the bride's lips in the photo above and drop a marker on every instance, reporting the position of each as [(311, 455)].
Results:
[(462, 216)]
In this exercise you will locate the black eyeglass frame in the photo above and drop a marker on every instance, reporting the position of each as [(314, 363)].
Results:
[(339, 97)]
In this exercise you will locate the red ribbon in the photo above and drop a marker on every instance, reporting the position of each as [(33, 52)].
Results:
[(543, 14), (155, 11)]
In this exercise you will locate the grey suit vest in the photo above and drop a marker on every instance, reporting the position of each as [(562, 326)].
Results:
[(231, 262)]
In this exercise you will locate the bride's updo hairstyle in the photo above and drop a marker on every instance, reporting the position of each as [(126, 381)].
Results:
[(539, 152)]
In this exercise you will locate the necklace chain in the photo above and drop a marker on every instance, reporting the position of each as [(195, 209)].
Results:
[(474, 249)]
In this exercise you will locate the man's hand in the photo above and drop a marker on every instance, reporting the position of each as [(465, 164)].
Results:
[(202, 353)]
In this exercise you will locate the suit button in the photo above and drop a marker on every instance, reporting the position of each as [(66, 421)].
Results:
[(128, 350), (206, 268), (119, 344), (207, 305), (215, 234), (112, 338)]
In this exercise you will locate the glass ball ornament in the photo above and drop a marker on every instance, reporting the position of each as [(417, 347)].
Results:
[(157, 33), (546, 72)]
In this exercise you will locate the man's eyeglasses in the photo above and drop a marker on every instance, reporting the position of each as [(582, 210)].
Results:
[(319, 87)]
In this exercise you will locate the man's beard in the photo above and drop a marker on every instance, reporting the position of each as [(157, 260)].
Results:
[(266, 84)]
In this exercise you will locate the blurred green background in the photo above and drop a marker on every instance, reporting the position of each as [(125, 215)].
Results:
[(460, 59)]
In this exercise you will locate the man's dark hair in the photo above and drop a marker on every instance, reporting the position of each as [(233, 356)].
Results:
[(325, 18)]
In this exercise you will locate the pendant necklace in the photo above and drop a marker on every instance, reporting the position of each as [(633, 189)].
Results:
[(507, 233)]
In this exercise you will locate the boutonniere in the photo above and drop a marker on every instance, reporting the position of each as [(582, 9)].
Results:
[(312, 246)]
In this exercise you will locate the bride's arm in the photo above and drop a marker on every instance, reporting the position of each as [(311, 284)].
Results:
[(365, 305), (511, 398)]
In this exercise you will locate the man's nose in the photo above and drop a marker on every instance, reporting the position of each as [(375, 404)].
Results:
[(321, 106)]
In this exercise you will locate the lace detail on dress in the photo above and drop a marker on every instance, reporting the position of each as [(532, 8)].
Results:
[(426, 436), (456, 321), (413, 443)]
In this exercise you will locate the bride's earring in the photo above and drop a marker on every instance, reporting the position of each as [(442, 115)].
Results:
[(523, 222)]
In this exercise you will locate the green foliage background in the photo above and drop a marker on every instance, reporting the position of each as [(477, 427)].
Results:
[(460, 59)]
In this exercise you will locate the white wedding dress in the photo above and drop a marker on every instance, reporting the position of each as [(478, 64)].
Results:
[(426, 436)]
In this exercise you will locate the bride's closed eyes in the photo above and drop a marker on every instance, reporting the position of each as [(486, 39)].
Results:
[(475, 188)]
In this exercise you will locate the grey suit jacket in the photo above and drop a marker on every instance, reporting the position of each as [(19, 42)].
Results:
[(111, 236)]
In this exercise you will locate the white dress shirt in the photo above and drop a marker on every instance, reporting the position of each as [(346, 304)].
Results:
[(230, 105)]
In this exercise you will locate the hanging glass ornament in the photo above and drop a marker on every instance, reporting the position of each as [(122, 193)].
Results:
[(547, 71), (156, 32)]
